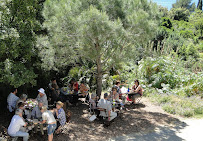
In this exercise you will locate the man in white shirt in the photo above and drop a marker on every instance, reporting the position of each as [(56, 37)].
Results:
[(16, 123), (42, 97), (12, 99), (106, 108)]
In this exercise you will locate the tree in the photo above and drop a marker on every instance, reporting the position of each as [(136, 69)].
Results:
[(95, 33), (179, 14), (199, 5), (17, 41), (184, 4), (197, 19)]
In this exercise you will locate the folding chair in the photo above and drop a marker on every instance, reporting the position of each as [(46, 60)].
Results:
[(130, 100)]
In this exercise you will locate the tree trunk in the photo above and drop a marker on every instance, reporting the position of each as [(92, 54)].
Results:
[(99, 77), (199, 5)]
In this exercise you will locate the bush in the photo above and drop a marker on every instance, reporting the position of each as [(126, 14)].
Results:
[(158, 71)]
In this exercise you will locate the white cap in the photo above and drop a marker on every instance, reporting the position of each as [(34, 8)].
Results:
[(41, 90)]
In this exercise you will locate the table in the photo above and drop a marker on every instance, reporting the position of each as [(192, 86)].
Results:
[(35, 123)]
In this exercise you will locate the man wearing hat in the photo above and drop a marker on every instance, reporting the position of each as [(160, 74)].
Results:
[(42, 97)]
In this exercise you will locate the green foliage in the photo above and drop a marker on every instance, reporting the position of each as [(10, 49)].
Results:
[(188, 51), (184, 4), (179, 14), (158, 71), (18, 54), (100, 32), (197, 19), (166, 22)]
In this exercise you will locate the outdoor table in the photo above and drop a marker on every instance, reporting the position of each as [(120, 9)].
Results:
[(33, 123)]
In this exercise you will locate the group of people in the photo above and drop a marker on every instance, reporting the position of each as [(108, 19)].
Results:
[(54, 118), (106, 107), (77, 91)]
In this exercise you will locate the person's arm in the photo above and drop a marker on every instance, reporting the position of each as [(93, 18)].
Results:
[(116, 96), (25, 124), (138, 88), (44, 118), (56, 111), (9, 105)]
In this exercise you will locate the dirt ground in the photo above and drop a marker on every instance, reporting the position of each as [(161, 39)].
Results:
[(143, 117)]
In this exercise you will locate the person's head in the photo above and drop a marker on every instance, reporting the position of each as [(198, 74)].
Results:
[(40, 104), (21, 105), (19, 112), (14, 90), (23, 97), (53, 80), (72, 81), (82, 83), (118, 83), (105, 95), (136, 82), (59, 105), (114, 90), (43, 109), (41, 92), (93, 96)]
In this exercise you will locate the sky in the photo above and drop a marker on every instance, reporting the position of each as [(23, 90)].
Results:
[(168, 3)]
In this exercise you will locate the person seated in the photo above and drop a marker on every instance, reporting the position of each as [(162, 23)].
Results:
[(12, 99), (48, 117), (61, 116), (55, 94), (136, 92), (37, 114), (105, 108), (22, 99), (21, 105), (114, 98), (93, 104), (117, 86), (74, 86), (74, 90), (17, 122), (53, 81), (41, 97), (83, 90)]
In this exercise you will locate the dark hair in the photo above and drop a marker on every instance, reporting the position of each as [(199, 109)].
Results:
[(21, 104), (53, 79), (137, 81), (114, 89), (72, 80), (118, 82), (105, 95), (13, 90)]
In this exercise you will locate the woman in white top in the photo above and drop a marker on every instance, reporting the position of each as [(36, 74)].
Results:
[(48, 117)]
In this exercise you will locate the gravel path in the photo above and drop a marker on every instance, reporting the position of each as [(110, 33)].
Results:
[(178, 130)]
